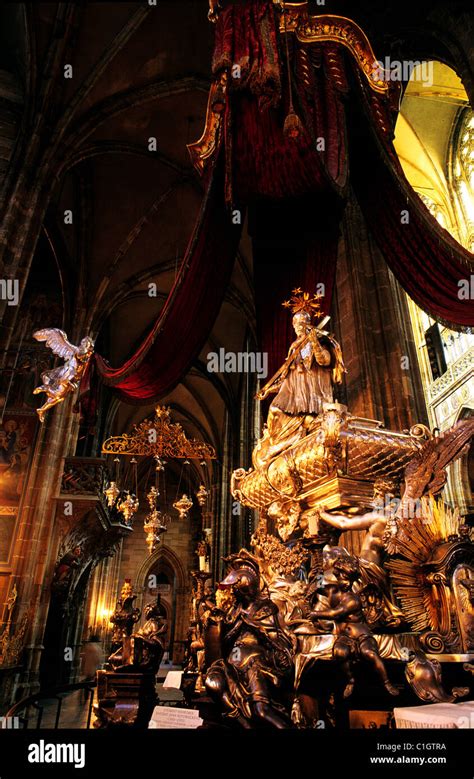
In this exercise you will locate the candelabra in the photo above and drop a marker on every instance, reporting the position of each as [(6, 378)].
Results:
[(183, 505), (155, 523)]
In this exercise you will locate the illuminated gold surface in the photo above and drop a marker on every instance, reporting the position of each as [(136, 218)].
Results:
[(435, 556), (128, 506), (213, 13), (204, 149), (158, 438), (365, 454), (182, 506), (338, 29), (202, 495), (111, 493)]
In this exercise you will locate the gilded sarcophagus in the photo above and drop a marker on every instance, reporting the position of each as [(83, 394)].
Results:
[(336, 462)]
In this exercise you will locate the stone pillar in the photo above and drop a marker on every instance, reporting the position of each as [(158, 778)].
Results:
[(38, 538), (371, 320)]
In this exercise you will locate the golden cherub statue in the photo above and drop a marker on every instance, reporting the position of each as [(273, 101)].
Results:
[(58, 383)]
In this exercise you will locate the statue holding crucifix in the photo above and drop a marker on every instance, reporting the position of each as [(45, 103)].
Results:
[(303, 383), (314, 362)]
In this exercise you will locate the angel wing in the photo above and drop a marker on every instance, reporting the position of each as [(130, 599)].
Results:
[(56, 340), (453, 443), (426, 474), (427, 471)]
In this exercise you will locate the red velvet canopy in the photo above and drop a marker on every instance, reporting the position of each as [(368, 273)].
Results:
[(295, 191)]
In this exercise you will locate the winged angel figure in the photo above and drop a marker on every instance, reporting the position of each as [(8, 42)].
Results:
[(425, 475), (59, 382)]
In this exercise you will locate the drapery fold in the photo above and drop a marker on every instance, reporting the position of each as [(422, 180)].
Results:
[(338, 106), (246, 44), (258, 167), (427, 261), (293, 188), (190, 310)]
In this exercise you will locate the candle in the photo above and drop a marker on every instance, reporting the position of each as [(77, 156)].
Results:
[(313, 525)]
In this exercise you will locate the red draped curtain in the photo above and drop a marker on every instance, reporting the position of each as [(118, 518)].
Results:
[(190, 310), (294, 245), (294, 190), (427, 261)]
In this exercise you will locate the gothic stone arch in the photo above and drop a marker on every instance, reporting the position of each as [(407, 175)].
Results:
[(166, 560)]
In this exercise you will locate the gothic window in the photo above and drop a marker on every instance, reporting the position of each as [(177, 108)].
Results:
[(434, 209)]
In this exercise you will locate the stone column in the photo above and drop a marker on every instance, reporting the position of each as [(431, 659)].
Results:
[(37, 541), (373, 326)]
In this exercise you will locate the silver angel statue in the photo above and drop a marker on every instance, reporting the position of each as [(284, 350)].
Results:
[(59, 382)]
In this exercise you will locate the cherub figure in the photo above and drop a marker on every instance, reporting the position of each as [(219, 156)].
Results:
[(58, 383), (354, 639)]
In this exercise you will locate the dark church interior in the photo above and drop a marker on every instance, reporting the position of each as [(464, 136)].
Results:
[(236, 367)]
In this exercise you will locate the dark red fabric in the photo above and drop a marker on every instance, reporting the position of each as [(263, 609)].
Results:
[(247, 38), (261, 161), (427, 261), (265, 163), (263, 168), (293, 187), (294, 245), (87, 404), (189, 313), (319, 88)]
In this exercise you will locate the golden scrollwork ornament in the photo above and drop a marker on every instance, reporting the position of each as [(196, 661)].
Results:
[(159, 438)]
